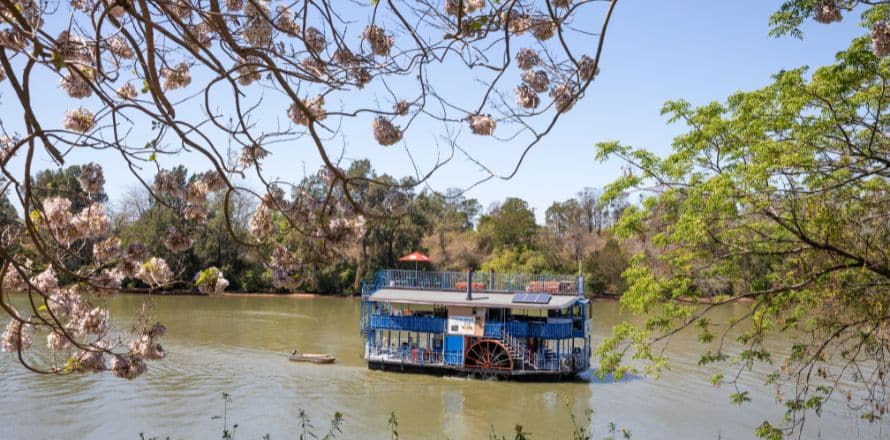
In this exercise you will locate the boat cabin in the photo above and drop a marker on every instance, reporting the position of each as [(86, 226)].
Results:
[(506, 325)]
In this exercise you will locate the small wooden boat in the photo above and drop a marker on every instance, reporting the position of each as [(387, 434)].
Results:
[(325, 358)]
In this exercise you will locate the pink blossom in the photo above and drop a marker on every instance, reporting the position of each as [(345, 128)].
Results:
[(120, 48), (92, 221), (827, 11), (147, 348), (380, 42), (136, 252), (258, 28), (200, 36), (128, 366), (314, 40), (108, 281), (401, 108), (106, 249), (360, 76), (72, 48), (527, 58), (155, 272), (564, 97), (177, 77), (75, 85), (177, 241), (285, 268), (13, 40), (315, 108), (115, 8), (251, 155), (91, 179), (65, 303), (81, 5), (196, 191), (181, 9), (543, 28), (286, 22), (526, 97), (385, 131), (127, 91), (517, 22), (46, 282), (15, 337), (196, 212), (248, 71), (169, 183), (261, 225), (128, 268), (313, 66), (482, 124), (213, 180), (880, 39), (80, 120), (90, 360), (210, 281), (13, 280), (469, 6), (89, 320), (537, 80), (586, 68), (57, 341)]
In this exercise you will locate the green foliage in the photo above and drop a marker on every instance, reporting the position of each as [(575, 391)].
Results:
[(521, 260), (603, 269), (8, 214), (775, 198), (509, 225)]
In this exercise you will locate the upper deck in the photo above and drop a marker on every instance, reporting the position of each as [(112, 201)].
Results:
[(478, 289)]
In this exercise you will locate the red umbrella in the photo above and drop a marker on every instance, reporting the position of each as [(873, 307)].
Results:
[(415, 257)]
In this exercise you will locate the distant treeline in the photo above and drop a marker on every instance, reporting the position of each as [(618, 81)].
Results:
[(456, 232)]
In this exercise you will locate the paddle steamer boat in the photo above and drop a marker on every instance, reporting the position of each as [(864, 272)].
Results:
[(489, 325)]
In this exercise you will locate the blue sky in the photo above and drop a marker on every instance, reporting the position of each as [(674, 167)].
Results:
[(655, 51)]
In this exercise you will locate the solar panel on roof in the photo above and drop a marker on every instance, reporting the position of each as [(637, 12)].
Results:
[(531, 298)]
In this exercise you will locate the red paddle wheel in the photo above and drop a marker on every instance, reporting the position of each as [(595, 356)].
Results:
[(488, 354)]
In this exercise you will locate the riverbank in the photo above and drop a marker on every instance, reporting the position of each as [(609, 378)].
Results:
[(183, 292), (180, 292)]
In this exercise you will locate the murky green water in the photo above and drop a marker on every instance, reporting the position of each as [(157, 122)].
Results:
[(238, 344)]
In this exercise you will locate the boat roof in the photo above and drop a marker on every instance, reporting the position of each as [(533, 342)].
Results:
[(457, 298)]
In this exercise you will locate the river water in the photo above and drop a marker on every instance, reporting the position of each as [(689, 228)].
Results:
[(237, 345)]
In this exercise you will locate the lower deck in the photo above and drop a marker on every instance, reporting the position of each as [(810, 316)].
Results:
[(397, 365), (507, 357)]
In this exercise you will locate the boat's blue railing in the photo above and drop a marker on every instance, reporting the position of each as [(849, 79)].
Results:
[(482, 281), (494, 330), (424, 324), (522, 329), (518, 329)]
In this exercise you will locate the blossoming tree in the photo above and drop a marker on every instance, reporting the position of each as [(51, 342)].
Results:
[(229, 84)]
